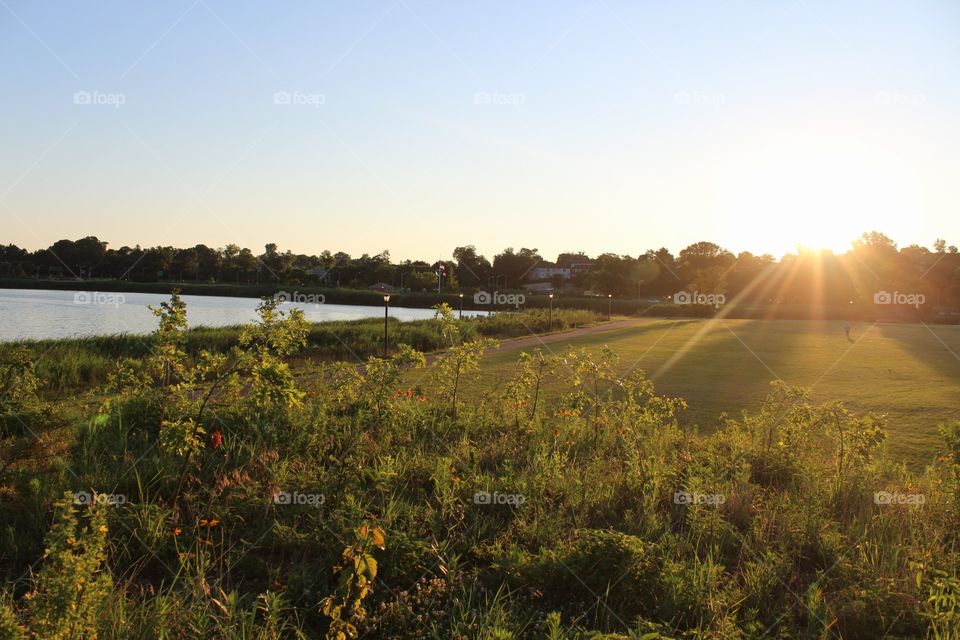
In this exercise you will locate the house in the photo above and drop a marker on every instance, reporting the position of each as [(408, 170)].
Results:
[(565, 270), (581, 266), (548, 271)]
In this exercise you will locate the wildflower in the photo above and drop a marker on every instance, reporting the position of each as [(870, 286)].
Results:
[(103, 528), (177, 531), (216, 439)]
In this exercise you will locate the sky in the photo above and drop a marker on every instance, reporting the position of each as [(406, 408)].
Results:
[(417, 127)]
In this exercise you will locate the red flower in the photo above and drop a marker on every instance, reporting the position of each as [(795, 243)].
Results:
[(216, 439)]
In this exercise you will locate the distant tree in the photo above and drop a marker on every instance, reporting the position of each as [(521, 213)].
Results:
[(472, 269), (703, 256), (209, 262), (612, 274), (643, 273), (420, 281), (246, 262), (668, 279), (566, 259), (511, 268), (711, 280)]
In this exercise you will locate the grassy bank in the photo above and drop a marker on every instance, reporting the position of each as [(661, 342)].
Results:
[(86, 362)]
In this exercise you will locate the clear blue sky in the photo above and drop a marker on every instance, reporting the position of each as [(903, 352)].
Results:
[(417, 127)]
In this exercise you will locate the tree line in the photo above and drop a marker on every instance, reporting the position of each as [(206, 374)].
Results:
[(873, 263)]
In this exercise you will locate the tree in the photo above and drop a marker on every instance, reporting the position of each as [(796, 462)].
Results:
[(511, 268), (246, 261), (420, 280), (472, 269), (668, 279)]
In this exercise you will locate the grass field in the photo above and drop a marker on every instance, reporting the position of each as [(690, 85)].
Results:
[(911, 373)]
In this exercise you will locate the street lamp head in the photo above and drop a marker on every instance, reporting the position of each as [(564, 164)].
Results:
[(551, 295), (609, 295), (461, 295), (386, 298)]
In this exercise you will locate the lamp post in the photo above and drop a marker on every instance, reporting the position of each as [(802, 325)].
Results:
[(461, 306), (550, 325), (609, 307), (386, 310)]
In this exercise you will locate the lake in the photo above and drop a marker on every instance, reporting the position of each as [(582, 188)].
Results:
[(40, 314)]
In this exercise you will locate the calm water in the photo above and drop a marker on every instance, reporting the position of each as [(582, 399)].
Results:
[(37, 314)]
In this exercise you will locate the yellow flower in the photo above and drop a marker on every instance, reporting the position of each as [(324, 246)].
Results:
[(103, 528)]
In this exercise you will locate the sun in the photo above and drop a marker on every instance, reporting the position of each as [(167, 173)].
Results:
[(813, 193)]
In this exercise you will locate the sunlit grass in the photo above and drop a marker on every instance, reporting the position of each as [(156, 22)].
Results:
[(904, 371)]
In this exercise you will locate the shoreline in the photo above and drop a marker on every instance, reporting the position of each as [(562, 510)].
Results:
[(864, 311)]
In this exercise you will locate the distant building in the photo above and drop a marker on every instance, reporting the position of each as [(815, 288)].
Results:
[(539, 287), (582, 266), (382, 287), (548, 271)]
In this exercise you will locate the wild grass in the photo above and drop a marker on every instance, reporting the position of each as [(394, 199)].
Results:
[(69, 365), (356, 503)]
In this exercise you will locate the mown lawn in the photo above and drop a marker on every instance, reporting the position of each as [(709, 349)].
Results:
[(911, 373)]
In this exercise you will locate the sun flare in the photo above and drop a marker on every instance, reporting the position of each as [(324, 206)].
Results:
[(813, 193)]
